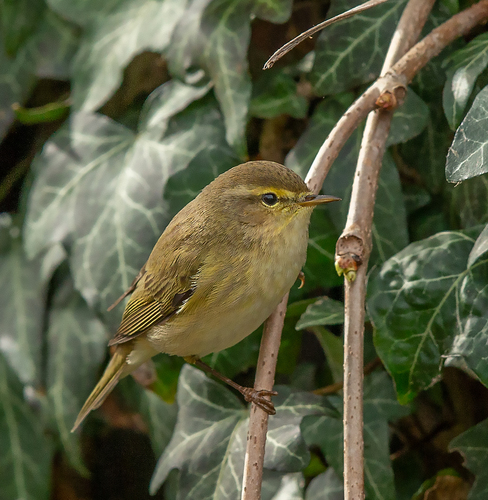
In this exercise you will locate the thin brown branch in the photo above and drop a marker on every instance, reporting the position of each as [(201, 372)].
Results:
[(357, 234), (315, 29), (400, 74), (258, 419)]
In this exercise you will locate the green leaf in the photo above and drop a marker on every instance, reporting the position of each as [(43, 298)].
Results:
[(389, 223), (86, 12), (279, 486), (319, 267), (21, 307), (333, 347), (99, 185), (464, 67), (432, 147), (469, 346), (210, 414), (47, 53), (415, 197), (159, 416), (469, 201), (466, 157), (19, 19), (227, 25), (409, 120), (326, 486), (380, 407), (76, 345), (351, 52), (324, 311), (211, 42), (274, 94), (274, 11), (16, 81), (473, 446), (26, 452), (238, 358), (113, 40), (415, 303), (207, 164)]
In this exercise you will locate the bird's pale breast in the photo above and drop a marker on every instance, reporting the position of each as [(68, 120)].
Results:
[(216, 317)]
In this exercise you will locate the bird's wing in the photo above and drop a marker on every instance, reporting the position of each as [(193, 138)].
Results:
[(165, 283), (130, 289), (142, 313)]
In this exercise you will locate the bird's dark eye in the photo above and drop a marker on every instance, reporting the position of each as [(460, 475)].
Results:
[(269, 199)]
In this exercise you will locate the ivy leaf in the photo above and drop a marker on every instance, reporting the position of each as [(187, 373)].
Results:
[(227, 26), (324, 311), (466, 157), (469, 201), (409, 120), (326, 486), (86, 12), (207, 164), (469, 346), (380, 406), (319, 266), (473, 446), (274, 94), (351, 52), (159, 416), (210, 414), (76, 345), (19, 20), (415, 302), (465, 65), (278, 486), (274, 11), (22, 304), (111, 42), (432, 146), (46, 53), (27, 453), (99, 185)]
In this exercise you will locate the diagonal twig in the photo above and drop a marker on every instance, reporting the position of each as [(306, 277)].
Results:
[(314, 29)]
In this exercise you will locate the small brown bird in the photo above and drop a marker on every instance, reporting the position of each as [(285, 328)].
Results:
[(219, 269)]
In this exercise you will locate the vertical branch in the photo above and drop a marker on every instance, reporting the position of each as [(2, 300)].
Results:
[(258, 420), (354, 247)]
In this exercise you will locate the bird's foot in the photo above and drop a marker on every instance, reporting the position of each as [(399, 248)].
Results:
[(258, 397)]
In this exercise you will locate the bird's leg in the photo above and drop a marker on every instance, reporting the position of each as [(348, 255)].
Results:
[(301, 277), (251, 395)]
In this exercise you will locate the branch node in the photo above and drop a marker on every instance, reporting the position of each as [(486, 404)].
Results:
[(393, 89), (350, 253)]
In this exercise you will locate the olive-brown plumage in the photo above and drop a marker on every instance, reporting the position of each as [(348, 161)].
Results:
[(217, 272)]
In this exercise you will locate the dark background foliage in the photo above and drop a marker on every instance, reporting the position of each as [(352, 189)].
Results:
[(113, 115)]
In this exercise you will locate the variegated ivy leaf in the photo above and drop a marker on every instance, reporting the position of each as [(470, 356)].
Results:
[(26, 451), (208, 445)]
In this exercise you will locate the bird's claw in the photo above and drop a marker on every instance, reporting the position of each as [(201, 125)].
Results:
[(258, 397)]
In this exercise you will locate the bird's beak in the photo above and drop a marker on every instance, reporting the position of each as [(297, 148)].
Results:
[(316, 199)]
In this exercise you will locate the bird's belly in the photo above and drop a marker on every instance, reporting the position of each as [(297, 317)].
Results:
[(225, 321)]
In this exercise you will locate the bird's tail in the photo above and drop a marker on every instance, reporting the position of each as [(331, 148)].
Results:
[(109, 380)]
